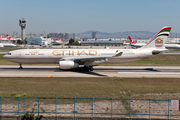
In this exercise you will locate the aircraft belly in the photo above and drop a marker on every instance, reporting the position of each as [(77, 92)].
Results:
[(124, 60), (34, 61)]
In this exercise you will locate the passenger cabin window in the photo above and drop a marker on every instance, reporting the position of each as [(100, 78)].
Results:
[(27, 54), (33, 54), (8, 53), (41, 54)]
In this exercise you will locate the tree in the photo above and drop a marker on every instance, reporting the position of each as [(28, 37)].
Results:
[(71, 41), (22, 41), (76, 43), (32, 43)]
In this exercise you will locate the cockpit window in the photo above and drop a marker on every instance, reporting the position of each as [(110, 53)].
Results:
[(8, 53)]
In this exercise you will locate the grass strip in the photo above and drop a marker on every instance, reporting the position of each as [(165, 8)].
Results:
[(144, 88)]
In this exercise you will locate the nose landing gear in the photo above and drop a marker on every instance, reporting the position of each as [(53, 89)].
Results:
[(20, 66)]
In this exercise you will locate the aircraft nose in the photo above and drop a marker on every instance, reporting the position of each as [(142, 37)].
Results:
[(5, 56)]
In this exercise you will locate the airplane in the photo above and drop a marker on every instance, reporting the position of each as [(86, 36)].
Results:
[(72, 58), (134, 44), (5, 44), (167, 46), (57, 41), (1, 38), (124, 43), (8, 37)]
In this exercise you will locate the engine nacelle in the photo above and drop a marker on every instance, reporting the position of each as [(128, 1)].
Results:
[(155, 52), (1, 45), (68, 64)]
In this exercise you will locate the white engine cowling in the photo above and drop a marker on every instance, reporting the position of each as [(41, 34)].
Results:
[(1, 45), (68, 64)]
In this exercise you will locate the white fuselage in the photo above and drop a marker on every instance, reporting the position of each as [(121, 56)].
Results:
[(138, 45), (41, 56), (172, 46), (7, 45), (167, 46)]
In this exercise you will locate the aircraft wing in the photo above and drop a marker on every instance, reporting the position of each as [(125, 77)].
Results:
[(90, 58)]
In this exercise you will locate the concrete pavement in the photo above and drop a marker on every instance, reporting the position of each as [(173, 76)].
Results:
[(99, 71)]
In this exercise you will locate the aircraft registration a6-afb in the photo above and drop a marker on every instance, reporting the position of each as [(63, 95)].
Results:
[(72, 58)]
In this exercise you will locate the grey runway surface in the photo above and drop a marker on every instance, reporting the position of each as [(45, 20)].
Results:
[(99, 71)]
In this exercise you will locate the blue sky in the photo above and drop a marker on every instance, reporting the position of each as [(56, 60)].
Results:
[(84, 15)]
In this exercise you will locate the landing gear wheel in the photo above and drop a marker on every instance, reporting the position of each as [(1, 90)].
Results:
[(91, 68), (20, 66), (88, 68)]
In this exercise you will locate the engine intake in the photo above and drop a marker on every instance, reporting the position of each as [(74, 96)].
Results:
[(68, 64), (156, 52)]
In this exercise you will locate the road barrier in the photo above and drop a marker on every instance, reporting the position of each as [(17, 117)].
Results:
[(87, 107)]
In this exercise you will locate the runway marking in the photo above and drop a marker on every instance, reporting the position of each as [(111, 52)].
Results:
[(147, 67), (150, 72)]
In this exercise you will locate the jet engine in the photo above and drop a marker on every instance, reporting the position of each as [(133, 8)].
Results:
[(155, 52), (68, 64)]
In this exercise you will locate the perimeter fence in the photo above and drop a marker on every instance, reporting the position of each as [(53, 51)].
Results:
[(87, 106)]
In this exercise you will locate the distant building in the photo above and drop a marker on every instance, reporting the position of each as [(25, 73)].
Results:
[(94, 34), (102, 43), (38, 40), (68, 36), (56, 35)]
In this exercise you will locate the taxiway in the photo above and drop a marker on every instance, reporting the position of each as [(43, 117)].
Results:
[(99, 71)]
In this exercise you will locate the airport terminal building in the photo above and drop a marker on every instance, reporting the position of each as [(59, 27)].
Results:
[(102, 43), (38, 40)]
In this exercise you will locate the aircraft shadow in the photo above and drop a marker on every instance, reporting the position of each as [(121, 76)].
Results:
[(128, 69), (81, 70), (77, 70)]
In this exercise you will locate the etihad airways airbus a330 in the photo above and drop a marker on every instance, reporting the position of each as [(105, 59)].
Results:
[(72, 58)]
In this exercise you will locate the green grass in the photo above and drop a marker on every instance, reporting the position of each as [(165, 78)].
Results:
[(8, 49), (145, 88)]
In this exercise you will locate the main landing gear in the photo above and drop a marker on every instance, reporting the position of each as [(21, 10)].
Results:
[(20, 66), (88, 68)]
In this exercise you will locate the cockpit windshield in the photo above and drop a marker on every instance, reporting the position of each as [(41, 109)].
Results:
[(8, 53)]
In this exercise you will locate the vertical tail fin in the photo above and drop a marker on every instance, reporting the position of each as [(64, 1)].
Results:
[(131, 40), (124, 41), (1, 37), (159, 39), (8, 37)]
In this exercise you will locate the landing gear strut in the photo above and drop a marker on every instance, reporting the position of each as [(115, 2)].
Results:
[(20, 66), (88, 68)]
